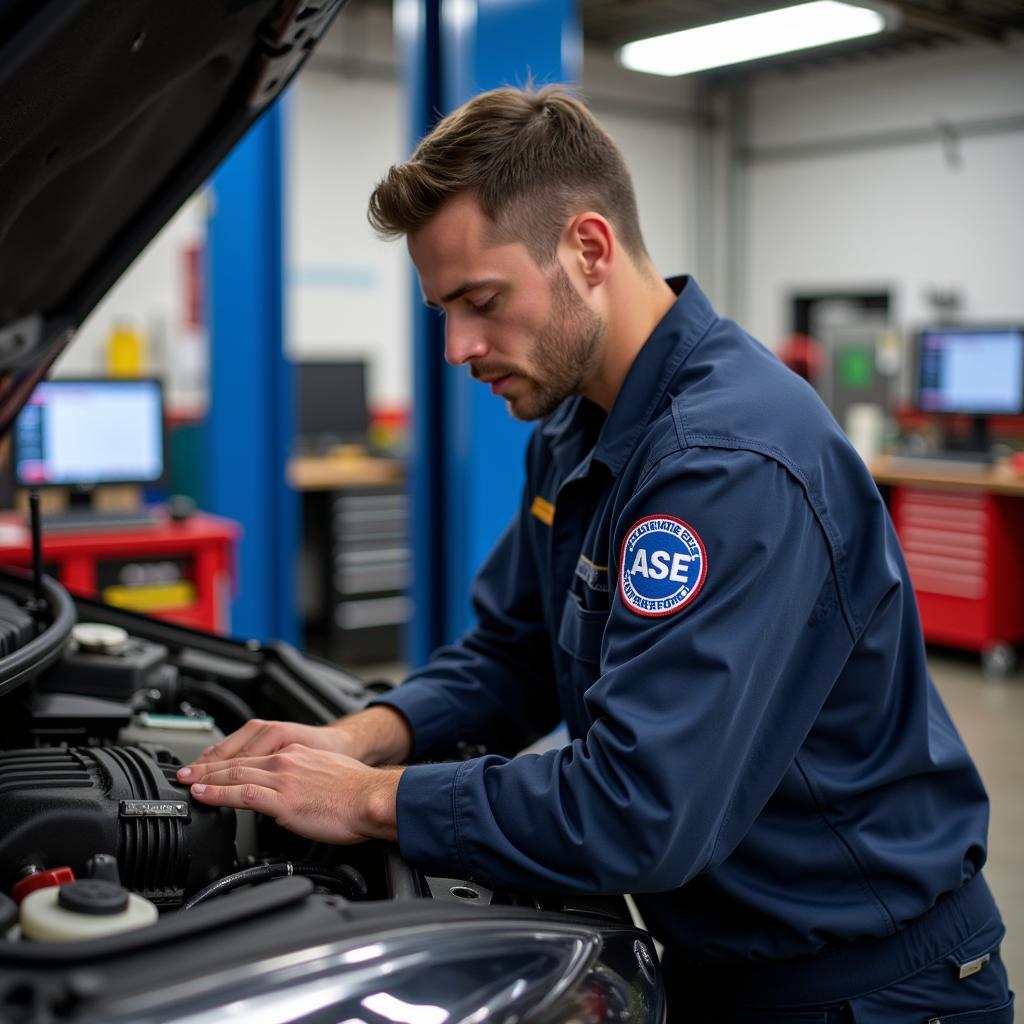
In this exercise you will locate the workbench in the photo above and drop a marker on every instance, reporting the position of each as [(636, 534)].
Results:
[(343, 470)]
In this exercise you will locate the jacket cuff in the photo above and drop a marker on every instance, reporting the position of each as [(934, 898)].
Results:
[(428, 824), (425, 709)]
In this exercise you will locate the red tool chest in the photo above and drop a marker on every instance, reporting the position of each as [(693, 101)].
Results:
[(965, 553), (182, 572)]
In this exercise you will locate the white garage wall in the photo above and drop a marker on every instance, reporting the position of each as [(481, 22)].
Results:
[(348, 293), (651, 120), (151, 298), (916, 217), (660, 157)]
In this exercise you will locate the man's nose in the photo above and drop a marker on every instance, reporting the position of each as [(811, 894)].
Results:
[(462, 342)]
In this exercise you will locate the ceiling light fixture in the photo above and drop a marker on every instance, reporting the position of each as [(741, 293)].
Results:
[(752, 37)]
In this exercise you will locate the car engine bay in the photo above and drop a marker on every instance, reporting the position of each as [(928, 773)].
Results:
[(90, 745)]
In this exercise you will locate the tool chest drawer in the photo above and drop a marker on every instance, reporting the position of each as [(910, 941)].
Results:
[(965, 554)]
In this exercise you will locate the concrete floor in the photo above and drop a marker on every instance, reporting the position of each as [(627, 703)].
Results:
[(990, 716), (989, 713)]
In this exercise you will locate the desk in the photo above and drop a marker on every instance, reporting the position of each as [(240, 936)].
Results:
[(355, 556), (1000, 479), (178, 571), (963, 538), (337, 472)]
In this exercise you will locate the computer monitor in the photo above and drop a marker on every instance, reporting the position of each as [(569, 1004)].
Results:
[(977, 371), (84, 433), (331, 407), (972, 371)]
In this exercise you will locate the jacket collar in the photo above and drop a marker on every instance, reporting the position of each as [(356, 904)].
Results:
[(643, 391)]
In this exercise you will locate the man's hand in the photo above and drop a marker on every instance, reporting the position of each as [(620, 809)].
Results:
[(378, 735), (320, 794)]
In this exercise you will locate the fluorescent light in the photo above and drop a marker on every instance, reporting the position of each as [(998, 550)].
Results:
[(758, 35)]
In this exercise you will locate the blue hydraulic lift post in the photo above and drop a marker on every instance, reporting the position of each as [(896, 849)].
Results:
[(476, 468), (249, 428), (417, 27)]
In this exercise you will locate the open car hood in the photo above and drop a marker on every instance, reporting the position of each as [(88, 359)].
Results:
[(112, 113)]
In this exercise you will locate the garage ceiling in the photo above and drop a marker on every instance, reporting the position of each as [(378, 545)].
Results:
[(925, 24)]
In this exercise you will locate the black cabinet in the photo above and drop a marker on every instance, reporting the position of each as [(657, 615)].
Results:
[(356, 566)]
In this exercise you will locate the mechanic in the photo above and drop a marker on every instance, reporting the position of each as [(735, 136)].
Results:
[(702, 580)]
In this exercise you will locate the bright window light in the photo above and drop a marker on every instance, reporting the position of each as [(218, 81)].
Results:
[(752, 37)]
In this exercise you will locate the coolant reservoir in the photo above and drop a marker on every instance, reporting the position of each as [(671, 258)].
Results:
[(87, 909)]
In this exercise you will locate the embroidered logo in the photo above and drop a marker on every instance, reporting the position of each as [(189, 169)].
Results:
[(663, 566)]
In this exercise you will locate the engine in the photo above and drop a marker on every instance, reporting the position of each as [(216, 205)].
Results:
[(67, 804), (87, 768), (97, 836), (88, 759)]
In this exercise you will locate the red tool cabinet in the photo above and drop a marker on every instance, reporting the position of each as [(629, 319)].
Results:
[(182, 572), (965, 552)]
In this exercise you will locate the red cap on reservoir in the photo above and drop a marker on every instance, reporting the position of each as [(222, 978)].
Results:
[(41, 880)]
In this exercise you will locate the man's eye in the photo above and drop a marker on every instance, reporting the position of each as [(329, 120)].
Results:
[(484, 307)]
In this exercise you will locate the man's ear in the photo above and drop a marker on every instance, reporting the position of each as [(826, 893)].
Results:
[(592, 244)]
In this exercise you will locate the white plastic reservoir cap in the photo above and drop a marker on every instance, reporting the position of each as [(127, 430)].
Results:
[(43, 919), (98, 636)]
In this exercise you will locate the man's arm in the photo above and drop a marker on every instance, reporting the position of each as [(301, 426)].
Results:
[(375, 736), (322, 795), (378, 735)]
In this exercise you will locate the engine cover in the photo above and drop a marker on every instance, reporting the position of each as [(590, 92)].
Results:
[(62, 805)]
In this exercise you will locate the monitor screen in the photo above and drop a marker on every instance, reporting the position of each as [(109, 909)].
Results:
[(87, 432), (974, 370), (331, 405)]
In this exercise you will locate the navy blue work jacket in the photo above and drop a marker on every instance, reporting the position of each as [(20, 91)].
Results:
[(706, 585)]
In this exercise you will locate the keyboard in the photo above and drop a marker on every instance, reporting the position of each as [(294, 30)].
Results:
[(73, 521), (945, 462)]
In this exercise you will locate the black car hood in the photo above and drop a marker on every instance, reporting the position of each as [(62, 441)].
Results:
[(113, 112)]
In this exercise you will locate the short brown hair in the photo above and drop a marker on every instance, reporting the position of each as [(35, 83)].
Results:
[(531, 157)]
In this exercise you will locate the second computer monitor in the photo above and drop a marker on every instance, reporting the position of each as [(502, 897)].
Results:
[(975, 371), (331, 406)]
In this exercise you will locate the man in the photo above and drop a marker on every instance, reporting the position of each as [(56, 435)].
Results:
[(703, 582)]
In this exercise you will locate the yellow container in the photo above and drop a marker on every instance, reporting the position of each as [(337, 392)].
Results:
[(126, 351)]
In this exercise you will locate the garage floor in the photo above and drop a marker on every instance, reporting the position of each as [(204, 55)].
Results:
[(990, 716)]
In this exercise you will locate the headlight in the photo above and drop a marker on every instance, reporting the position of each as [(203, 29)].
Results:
[(453, 973)]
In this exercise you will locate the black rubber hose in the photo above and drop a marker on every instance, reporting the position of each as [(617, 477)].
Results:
[(353, 885), (38, 654), (199, 691), (346, 879), (250, 876)]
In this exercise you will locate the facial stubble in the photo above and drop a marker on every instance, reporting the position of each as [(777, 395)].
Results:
[(565, 354)]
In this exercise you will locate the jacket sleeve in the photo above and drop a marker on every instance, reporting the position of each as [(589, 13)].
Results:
[(695, 715), (494, 686)]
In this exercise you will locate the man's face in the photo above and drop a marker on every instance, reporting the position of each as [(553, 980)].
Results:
[(521, 328)]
